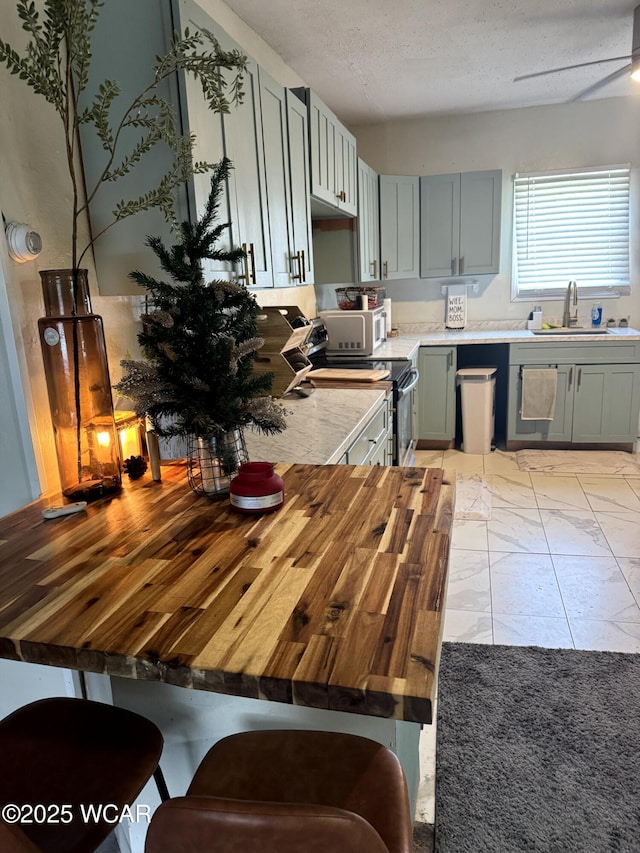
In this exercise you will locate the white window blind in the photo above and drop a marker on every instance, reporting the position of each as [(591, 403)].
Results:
[(571, 226)]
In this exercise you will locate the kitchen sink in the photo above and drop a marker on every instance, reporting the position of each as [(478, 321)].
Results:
[(573, 330)]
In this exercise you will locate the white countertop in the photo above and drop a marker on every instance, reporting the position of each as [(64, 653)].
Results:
[(319, 427), (405, 345), (322, 426)]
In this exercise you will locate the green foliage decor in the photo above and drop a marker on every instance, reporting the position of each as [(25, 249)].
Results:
[(56, 64), (199, 340)]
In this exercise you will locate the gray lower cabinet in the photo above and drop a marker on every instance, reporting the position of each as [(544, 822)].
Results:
[(374, 445), (437, 394), (597, 399)]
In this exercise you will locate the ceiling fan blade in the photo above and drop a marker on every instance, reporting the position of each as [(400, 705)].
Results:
[(595, 86), (569, 67)]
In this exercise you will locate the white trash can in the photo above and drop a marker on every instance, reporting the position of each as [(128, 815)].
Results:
[(477, 397)]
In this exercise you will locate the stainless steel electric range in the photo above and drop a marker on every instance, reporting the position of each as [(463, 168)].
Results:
[(402, 375)]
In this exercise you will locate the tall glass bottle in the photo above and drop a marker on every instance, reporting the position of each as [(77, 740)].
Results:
[(77, 374)]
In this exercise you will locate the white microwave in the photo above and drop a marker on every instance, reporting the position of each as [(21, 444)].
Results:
[(354, 332)]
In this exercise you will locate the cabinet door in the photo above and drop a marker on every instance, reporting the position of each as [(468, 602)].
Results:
[(368, 223), (334, 162), (480, 206), (607, 399), (322, 150), (141, 31), (277, 178), (460, 223), (298, 141), (373, 440), (437, 393), (249, 212), (440, 229), (399, 226), (346, 171), (558, 429), (210, 147)]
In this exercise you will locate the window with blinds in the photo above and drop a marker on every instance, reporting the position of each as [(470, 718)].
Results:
[(571, 226)]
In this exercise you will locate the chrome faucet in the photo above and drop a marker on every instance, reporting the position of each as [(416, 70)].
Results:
[(567, 319)]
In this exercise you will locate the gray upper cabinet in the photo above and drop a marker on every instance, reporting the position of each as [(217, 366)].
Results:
[(301, 226), (286, 184), (368, 223), (460, 224), (247, 184), (274, 134), (332, 149), (141, 31), (399, 226), (265, 137)]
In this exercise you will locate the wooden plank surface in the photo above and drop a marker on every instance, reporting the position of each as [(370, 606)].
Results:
[(348, 374), (335, 601)]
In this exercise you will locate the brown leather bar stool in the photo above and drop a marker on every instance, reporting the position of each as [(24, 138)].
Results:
[(289, 792), (72, 753)]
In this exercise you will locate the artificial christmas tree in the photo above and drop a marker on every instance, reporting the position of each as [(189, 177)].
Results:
[(199, 342)]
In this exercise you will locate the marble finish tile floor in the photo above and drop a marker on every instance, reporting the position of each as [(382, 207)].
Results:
[(546, 558), (543, 558)]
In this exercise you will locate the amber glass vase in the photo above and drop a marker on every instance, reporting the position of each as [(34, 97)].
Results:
[(77, 374)]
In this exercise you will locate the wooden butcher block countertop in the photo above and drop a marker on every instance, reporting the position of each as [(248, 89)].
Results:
[(335, 601)]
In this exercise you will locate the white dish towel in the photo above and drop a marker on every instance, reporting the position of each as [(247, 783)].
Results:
[(539, 389)]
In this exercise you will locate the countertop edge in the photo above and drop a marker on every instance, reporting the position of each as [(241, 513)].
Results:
[(405, 345)]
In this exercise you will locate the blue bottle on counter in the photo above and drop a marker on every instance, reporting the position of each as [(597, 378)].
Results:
[(596, 315)]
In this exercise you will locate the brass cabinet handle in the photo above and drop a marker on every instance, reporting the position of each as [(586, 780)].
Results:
[(253, 263), (579, 379), (570, 378), (301, 275), (385, 268), (245, 264), (296, 257), (450, 359), (461, 266), (374, 264)]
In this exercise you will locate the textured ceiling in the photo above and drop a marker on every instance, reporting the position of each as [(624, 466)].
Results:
[(379, 60)]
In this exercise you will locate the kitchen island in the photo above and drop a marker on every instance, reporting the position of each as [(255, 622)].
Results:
[(332, 606), (335, 601)]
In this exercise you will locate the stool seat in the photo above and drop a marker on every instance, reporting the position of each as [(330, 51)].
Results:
[(290, 790), (74, 753)]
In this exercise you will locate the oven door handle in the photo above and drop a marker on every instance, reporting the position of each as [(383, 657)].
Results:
[(402, 392)]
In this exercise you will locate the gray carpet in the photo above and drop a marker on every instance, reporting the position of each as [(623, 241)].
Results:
[(537, 750)]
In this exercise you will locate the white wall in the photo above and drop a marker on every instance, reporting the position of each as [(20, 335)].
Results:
[(590, 133)]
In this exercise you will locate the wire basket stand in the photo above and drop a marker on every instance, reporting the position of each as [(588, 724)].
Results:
[(212, 462)]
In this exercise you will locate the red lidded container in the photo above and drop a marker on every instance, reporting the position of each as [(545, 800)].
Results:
[(256, 488)]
